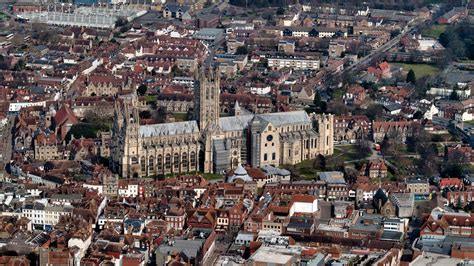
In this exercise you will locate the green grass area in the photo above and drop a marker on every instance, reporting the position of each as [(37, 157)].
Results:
[(180, 116), (421, 70), (469, 122), (309, 169), (434, 31), (150, 98), (3, 16), (209, 176)]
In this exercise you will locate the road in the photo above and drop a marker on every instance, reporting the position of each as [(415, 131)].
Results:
[(364, 62)]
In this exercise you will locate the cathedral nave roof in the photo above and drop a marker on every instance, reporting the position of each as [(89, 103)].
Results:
[(286, 118), (169, 129)]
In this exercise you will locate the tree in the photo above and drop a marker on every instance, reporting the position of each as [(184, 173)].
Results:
[(411, 76), (176, 71), (241, 50), (121, 21), (294, 172), (459, 203), (374, 112), (20, 65), (317, 99), (280, 11), (320, 162), (363, 148), (159, 115), (85, 130), (454, 96), (48, 166), (142, 89), (145, 114), (320, 105)]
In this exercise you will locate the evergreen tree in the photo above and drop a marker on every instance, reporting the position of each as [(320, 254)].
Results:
[(141, 89), (411, 76), (317, 99)]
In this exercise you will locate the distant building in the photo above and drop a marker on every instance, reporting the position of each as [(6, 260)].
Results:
[(209, 35), (456, 14), (418, 186), (207, 21), (174, 10)]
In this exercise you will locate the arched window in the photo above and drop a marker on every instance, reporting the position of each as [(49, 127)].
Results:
[(142, 164), (192, 159), (159, 163), (151, 164), (168, 161), (176, 161), (184, 160)]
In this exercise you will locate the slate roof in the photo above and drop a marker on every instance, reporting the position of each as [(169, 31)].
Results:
[(167, 129), (235, 123), (286, 118), (172, 7)]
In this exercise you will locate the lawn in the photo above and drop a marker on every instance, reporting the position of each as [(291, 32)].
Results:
[(209, 176), (150, 98), (341, 154), (421, 70), (434, 31), (180, 116)]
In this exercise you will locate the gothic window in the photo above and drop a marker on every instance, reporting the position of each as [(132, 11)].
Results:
[(184, 160), (176, 161), (134, 160), (168, 161), (151, 165), (159, 163), (142, 164), (193, 159)]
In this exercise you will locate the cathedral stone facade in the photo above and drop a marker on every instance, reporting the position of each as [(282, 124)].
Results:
[(213, 144)]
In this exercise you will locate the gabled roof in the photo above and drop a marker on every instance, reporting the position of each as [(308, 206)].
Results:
[(187, 127), (65, 114), (380, 195), (174, 7)]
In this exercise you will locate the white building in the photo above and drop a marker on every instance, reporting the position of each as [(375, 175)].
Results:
[(304, 204), (260, 90), (15, 107), (128, 190), (445, 92), (395, 224), (44, 216), (293, 62)]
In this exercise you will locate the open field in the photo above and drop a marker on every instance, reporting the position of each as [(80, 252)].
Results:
[(434, 31), (421, 70)]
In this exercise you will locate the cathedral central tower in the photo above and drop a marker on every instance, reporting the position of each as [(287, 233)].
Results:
[(207, 98)]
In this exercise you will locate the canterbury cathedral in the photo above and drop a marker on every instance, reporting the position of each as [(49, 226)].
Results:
[(214, 144)]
